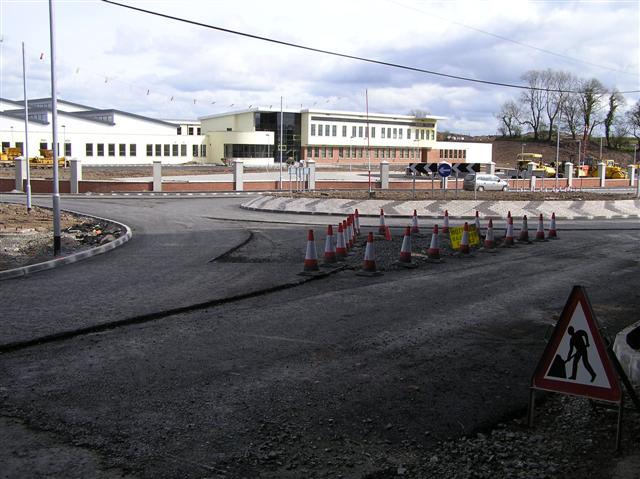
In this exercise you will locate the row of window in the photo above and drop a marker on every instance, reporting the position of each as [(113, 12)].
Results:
[(248, 151), (360, 152), (152, 150), (43, 146), (453, 154), (363, 132), (190, 130)]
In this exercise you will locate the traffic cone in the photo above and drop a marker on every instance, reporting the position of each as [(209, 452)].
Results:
[(415, 229), (311, 256), (433, 253), (553, 234), (381, 227), (464, 242), (356, 218), (369, 262), (489, 240), (330, 247), (405, 250), (349, 235), (524, 231), (387, 233), (540, 230), (478, 223), (353, 229), (345, 232), (341, 247), (508, 236), (445, 226)]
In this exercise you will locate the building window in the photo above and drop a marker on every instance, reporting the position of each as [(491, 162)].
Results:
[(373, 132), (408, 133), (5, 145), (167, 150), (67, 149), (319, 130), (353, 131), (19, 146), (309, 152), (158, 150), (326, 130), (344, 130), (190, 130), (389, 133), (375, 153), (323, 152), (174, 150), (330, 152), (248, 151), (417, 135), (313, 129), (366, 132), (393, 153), (340, 152), (43, 145), (122, 149), (88, 149), (183, 150), (100, 149), (432, 134), (360, 131), (179, 130), (464, 154), (203, 151), (132, 149), (422, 134), (149, 150), (400, 133), (317, 152), (334, 130), (111, 149), (383, 133), (199, 131), (395, 133), (194, 151)]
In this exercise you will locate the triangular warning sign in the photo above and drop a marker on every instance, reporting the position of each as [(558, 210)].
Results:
[(575, 360)]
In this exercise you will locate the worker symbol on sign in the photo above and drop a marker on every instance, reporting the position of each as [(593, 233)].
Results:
[(578, 346)]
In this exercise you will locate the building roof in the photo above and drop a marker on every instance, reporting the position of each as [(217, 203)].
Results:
[(260, 109)]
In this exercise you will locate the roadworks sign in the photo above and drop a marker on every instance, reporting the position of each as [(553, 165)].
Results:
[(576, 360), (455, 236)]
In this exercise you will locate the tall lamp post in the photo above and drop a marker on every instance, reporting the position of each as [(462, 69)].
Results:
[(54, 126)]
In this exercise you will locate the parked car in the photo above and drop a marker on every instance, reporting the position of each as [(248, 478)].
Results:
[(483, 182)]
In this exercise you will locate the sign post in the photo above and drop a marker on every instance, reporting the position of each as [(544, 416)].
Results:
[(444, 170), (577, 361)]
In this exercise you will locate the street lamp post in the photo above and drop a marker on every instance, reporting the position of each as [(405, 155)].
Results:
[(54, 127)]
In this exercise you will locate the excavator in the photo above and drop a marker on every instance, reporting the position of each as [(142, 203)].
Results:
[(612, 169), (540, 169)]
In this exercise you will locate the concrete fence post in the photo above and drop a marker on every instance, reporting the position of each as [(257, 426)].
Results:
[(21, 172), (602, 173), (157, 176), (491, 168), (76, 175), (311, 182), (568, 173), (384, 175), (530, 166), (532, 182), (632, 174), (238, 169)]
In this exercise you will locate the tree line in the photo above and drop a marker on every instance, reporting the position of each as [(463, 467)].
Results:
[(559, 100)]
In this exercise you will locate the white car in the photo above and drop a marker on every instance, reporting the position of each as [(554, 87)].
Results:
[(481, 182)]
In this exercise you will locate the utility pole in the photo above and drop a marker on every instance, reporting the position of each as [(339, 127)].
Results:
[(25, 148), (54, 126)]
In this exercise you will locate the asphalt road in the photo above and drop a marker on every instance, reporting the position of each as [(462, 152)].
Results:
[(343, 375)]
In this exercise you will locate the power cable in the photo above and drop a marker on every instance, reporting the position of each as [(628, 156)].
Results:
[(343, 55)]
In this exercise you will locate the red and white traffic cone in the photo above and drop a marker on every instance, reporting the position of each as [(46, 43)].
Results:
[(353, 229), (381, 227), (311, 256), (433, 253), (356, 218), (330, 247), (478, 229), (553, 234), (464, 242), (405, 250), (341, 247), (415, 229), (345, 232), (369, 262), (445, 225), (387, 233), (524, 231), (349, 234), (508, 236), (489, 240), (540, 230)]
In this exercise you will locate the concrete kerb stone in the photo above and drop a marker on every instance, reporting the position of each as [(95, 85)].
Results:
[(458, 209), (73, 258), (629, 358)]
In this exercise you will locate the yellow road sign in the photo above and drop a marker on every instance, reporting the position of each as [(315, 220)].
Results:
[(455, 235)]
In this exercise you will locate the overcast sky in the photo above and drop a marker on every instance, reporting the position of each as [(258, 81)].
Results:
[(111, 57)]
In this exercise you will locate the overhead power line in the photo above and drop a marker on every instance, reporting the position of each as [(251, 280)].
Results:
[(342, 55)]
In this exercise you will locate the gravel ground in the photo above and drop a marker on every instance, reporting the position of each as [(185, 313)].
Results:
[(27, 238)]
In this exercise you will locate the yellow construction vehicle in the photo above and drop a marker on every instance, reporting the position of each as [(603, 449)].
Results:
[(613, 171), (9, 155), (46, 159), (540, 169)]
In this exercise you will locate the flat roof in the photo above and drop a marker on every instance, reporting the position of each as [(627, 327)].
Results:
[(360, 114)]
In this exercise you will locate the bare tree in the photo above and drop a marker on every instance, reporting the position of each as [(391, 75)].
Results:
[(592, 92), (616, 99), (533, 101), (571, 112), (633, 121), (556, 85), (509, 116)]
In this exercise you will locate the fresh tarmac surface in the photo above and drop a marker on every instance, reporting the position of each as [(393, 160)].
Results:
[(339, 375)]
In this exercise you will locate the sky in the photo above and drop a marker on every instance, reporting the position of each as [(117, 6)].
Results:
[(112, 57)]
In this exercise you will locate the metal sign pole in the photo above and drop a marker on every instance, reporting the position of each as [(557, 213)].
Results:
[(456, 184), (414, 185)]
